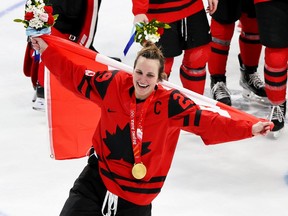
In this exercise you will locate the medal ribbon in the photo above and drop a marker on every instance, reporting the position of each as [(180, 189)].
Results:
[(137, 132)]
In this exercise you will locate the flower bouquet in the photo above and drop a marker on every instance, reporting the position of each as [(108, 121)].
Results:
[(38, 17), (151, 31)]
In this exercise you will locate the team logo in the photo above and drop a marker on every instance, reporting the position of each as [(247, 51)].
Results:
[(120, 145)]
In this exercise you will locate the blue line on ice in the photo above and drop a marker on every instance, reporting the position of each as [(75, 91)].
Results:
[(11, 8)]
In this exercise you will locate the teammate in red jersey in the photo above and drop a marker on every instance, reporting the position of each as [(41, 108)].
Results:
[(272, 18), (222, 30), (77, 21), (137, 134), (189, 32)]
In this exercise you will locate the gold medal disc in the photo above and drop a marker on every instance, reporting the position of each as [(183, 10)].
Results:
[(139, 171)]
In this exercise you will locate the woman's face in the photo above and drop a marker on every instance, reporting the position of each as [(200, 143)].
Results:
[(145, 77)]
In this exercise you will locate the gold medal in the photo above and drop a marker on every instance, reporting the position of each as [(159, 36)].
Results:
[(139, 171)]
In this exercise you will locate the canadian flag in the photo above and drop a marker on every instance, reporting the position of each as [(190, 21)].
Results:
[(72, 120)]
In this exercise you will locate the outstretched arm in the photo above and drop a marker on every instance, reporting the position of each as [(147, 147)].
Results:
[(211, 125)]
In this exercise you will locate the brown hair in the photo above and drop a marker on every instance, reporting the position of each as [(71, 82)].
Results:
[(151, 51)]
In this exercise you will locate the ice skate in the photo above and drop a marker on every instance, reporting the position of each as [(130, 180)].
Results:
[(39, 103), (219, 91), (253, 86), (277, 116)]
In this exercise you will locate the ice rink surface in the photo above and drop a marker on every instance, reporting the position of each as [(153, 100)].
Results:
[(244, 178)]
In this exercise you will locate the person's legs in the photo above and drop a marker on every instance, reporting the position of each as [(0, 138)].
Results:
[(170, 44), (192, 35), (126, 208), (193, 68), (275, 73), (196, 39), (220, 46), (87, 194), (250, 50), (273, 27), (222, 30)]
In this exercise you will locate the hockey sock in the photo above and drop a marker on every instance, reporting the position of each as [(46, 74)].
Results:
[(275, 74), (193, 68), (220, 45), (249, 42)]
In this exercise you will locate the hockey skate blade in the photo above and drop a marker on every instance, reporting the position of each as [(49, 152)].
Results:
[(39, 109), (275, 134), (34, 97), (250, 96)]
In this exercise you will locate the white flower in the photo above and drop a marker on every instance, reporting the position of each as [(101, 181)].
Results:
[(36, 23), (41, 6), (28, 3), (30, 8), (152, 37)]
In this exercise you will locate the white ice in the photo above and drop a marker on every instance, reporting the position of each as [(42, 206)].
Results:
[(244, 178)]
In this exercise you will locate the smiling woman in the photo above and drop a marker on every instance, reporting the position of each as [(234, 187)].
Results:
[(129, 161), (148, 70)]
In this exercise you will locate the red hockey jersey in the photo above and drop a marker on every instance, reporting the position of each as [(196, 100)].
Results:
[(168, 112), (167, 10)]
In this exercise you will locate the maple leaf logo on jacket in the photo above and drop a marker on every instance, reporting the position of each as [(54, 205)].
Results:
[(120, 145)]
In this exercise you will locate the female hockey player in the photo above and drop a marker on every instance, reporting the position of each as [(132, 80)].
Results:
[(137, 134)]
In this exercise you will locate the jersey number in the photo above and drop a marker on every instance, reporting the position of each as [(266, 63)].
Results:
[(183, 102)]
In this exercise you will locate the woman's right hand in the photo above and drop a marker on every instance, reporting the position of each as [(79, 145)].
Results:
[(38, 44), (140, 18)]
